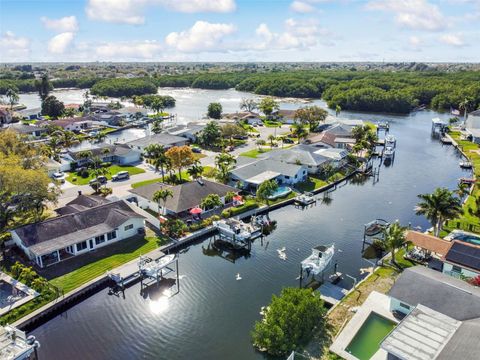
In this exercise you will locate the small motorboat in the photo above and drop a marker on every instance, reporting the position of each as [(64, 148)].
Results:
[(319, 259), (305, 199), (237, 229), (390, 141), (389, 152), (465, 164)]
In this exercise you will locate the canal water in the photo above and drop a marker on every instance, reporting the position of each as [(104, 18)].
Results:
[(213, 314)]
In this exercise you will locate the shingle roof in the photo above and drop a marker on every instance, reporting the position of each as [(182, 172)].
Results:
[(445, 294), (464, 254), (113, 150), (56, 233), (185, 196), (251, 170), (341, 130), (303, 154), (162, 138), (82, 202), (464, 343)]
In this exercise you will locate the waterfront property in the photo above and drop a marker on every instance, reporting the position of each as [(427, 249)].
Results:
[(84, 225), (305, 155), (5, 116), (462, 260), (472, 126), (186, 196), (13, 293), (251, 175), (15, 345), (336, 135), (166, 140), (30, 131), (434, 313), (71, 124), (118, 154), (189, 131)]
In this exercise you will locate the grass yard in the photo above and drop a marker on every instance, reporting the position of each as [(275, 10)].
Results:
[(118, 254), (185, 177), (311, 184), (254, 153), (112, 170)]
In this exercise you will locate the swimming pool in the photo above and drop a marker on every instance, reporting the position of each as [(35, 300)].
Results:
[(366, 341), (463, 236), (280, 192)]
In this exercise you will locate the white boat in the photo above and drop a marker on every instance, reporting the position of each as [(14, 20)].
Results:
[(305, 199), (154, 268), (390, 141), (319, 259), (16, 345), (389, 152), (465, 164), (237, 230)]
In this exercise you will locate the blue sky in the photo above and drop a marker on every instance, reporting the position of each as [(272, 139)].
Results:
[(239, 30)]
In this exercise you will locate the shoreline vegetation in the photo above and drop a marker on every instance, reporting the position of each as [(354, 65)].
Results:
[(372, 91)]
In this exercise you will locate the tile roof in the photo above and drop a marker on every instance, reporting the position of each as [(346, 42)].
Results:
[(429, 242)]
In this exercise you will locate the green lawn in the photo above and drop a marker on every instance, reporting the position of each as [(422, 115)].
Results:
[(254, 153), (311, 184), (122, 252), (112, 170), (185, 177)]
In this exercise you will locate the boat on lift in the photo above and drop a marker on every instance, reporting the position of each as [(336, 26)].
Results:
[(391, 141), (305, 199), (465, 164), (319, 259), (154, 269), (389, 152), (237, 229)]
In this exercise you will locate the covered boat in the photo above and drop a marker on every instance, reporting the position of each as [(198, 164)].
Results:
[(237, 229)]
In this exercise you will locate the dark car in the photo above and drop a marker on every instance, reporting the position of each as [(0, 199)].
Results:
[(240, 137), (196, 150), (287, 141), (100, 179)]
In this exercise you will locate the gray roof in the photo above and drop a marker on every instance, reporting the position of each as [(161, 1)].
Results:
[(475, 113), (26, 129), (80, 203), (300, 154), (421, 335), (341, 130), (162, 138), (464, 344), (445, 294), (265, 165), (465, 255), (185, 196), (56, 233), (113, 150)]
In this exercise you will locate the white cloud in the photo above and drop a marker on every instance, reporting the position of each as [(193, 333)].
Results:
[(132, 11), (415, 41), (453, 40), (302, 7), (413, 14), (13, 48), (146, 49), (60, 43), (202, 36), (65, 24)]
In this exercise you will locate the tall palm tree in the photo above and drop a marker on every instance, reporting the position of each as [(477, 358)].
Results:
[(299, 131), (68, 139), (162, 195), (156, 153), (465, 107), (54, 147), (224, 163), (438, 207), (12, 97), (394, 238), (196, 170)]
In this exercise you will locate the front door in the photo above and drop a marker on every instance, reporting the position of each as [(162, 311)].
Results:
[(91, 244)]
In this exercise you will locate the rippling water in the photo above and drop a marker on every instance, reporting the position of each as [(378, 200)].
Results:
[(212, 315)]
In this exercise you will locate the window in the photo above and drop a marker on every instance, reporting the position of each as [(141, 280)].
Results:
[(99, 239), (295, 176), (405, 306), (287, 177), (456, 269), (112, 235), (81, 246), (128, 227)]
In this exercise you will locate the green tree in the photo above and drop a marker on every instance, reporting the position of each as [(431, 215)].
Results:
[(268, 105), (299, 131), (156, 153), (162, 195), (12, 97), (229, 196), (438, 207), (394, 238), (311, 116), (214, 110), (195, 170), (211, 134), (174, 228), (290, 321), (272, 139), (210, 201), (266, 190), (180, 157), (338, 109), (52, 107), (43, 87), (248, 104), (224, 163)]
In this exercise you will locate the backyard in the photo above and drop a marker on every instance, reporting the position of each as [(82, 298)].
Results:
[(74, 178)]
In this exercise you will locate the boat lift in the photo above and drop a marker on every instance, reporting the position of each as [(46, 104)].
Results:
[(373, 228)]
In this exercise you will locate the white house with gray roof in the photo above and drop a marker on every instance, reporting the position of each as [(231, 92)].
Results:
[(250, 176), (85, 224), (166, 140), (472, 125)]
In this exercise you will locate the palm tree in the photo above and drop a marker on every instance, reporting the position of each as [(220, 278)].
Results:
[(224, 163), (68, 139), (85, 155), (156, 153), (462, 190), (54, 147), (271, 138), (99, 137), (438, 207), (12, 97), (162, 195), (196, 170), (394, 238), (465, 107), (157, 127), (210, 201), (299, 131), (338, 109)]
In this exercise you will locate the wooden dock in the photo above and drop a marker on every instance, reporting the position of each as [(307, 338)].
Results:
[(332, 294)]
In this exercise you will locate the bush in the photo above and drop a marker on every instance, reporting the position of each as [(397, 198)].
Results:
[(84, 173), (234, 211), (106, 164)]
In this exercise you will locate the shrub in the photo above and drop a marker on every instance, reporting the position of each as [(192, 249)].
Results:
[(234, 211), (106, 164), (84, 173)]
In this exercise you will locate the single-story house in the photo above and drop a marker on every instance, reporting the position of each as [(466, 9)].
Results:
[(472, 125), (249, 116), (166, 140), (5, 117), (189, 131), (72, 124), (185, 196), (119, 154), (31, 131), (111, 118), (285, 116), (337, 135), (305, 155), (81, 229), (462, 260), (250, 176), (57, 166), (30, 114)]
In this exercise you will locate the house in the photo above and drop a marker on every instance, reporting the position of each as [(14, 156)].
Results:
[(305, 155), (5, 117), (185, 196), (110, 118), (119, 154), (337, 135), (337, 157), (166, 140), (189, 131), (462, 260), (472, 125), (72, 124), (30, 114), (249, 116), (285, 116), (57, 166), (83, 226), (30, 131), (250, 176)]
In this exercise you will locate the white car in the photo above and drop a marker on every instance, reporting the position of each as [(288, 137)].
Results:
[(59, 176)]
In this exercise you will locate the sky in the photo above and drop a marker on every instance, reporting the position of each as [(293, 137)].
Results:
[(240, 30)]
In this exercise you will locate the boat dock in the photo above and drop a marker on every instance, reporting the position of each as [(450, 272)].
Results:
[(331, 293)]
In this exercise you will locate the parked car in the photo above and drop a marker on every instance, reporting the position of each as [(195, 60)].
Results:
[(240, 137), (287, 140), (196, 150), (122, 175), (59, 176), (101, 179)]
